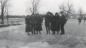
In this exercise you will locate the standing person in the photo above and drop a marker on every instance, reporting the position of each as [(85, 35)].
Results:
[(63, 20), (55, 24), (48, 22), (79, 20), (38, 25), (28, 25), (57, 16), (33, 23)]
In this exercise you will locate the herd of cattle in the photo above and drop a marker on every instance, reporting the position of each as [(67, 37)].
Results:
[(54, 23)]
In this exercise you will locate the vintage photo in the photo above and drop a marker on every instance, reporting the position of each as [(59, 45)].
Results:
[(42, 24)]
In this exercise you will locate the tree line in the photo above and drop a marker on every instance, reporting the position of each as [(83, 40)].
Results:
[(67, 8)]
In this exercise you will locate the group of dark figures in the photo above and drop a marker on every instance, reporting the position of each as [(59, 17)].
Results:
[(54, 23), (80, 19)]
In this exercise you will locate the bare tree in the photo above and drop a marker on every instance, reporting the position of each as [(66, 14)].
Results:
[(6, 14), (3, 4), (35, 6), (68, 8)]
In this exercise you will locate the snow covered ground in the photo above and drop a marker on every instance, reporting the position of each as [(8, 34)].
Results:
[(15, 37)]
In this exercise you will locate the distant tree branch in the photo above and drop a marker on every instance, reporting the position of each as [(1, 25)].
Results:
[(35, 5), (68, 8), (3, 8)]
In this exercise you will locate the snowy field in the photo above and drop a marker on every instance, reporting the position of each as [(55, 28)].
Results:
[(15, 37)]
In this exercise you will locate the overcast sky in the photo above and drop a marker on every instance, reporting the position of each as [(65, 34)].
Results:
[(19, 7)]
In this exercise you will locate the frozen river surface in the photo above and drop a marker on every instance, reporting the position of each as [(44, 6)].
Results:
[(15, 37)]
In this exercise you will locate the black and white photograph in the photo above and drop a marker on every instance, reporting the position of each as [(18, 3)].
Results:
[(42, 23)]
